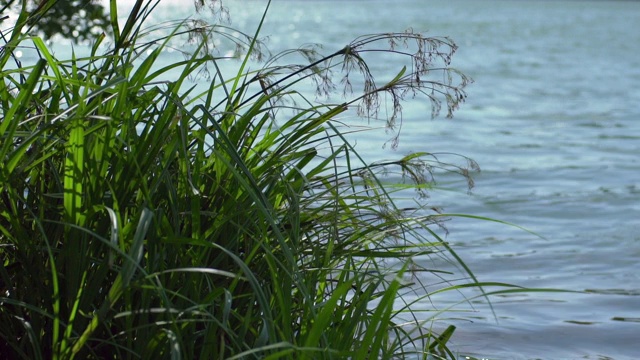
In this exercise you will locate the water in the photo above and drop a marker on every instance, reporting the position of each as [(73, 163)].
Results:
[(553, 120)]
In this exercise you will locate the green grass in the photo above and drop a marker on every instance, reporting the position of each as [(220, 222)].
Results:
[(145, 218)]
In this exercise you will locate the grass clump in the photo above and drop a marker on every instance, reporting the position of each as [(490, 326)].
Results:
[(144, 217)]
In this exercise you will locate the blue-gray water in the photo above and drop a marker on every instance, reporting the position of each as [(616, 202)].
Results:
[(553, 119)]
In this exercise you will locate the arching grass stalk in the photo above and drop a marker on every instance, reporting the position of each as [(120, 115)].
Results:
[(143, 217)]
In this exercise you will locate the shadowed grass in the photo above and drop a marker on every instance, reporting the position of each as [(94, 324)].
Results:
[(142, 217)]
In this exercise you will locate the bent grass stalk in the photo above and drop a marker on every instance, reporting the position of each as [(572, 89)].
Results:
[(141, 219)]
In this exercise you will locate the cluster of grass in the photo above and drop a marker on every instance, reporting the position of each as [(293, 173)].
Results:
[(142, 217)]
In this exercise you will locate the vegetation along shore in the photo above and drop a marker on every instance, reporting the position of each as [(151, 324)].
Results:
[(144, 217)]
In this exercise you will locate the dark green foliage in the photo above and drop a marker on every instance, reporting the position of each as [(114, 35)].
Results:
[(78, 20)]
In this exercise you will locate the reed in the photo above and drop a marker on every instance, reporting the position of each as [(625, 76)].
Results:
[(141, 217)]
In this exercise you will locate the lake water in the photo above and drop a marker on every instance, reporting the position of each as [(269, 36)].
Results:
[(553, 119)]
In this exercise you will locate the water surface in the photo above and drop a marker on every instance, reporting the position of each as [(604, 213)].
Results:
[(554, 122)]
